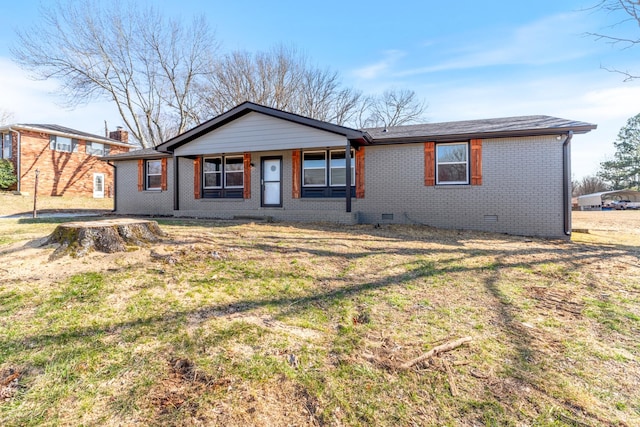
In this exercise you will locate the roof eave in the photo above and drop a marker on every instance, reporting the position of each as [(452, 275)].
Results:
[(100, 140), (483, 135)]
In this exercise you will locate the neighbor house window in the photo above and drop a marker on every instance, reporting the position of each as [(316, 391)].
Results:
[(452, 163), (324, 173), (62, 143), (97, 149), (223, 177), (153, 175), (5, 146)]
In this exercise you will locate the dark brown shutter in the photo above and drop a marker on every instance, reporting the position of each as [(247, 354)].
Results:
[(197, 173), (140, 174), (247, 176), (360, 173), (429, 163), (163, 176), (476, 162), (295, 167)]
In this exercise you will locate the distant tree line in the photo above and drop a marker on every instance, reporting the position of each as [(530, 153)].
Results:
[(166, 76)]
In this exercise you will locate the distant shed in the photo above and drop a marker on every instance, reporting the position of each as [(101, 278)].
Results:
[(595, 201)]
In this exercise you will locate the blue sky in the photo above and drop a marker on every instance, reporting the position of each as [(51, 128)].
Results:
[(466, 59)]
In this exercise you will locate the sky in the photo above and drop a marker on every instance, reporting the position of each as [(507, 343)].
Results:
[(467, 59)]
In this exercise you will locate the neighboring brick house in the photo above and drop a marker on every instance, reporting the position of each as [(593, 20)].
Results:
[(509, 175), (67, 160)]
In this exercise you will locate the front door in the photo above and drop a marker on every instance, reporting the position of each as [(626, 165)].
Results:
[(98, 185), (271, 181)]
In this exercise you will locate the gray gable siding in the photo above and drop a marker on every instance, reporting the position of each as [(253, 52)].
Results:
[(259, 132)]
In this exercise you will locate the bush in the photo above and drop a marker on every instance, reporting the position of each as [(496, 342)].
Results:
[(7, 174)]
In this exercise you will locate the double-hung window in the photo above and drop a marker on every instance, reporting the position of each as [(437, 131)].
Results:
[(5, 145), (62, 143), (324, 173), (153, 175), (223, 177), (452, 163), (338, 166)]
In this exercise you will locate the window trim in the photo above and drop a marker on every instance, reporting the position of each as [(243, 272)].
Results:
[(220, 172), (91, 151), (226, 172), (147, 175), (223, 191), (466, 163), (6, 146)]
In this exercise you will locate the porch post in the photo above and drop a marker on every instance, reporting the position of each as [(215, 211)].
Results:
[(347, 160), (176, 184)]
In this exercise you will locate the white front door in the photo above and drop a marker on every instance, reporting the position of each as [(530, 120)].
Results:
[(272, 181), (98, 185)]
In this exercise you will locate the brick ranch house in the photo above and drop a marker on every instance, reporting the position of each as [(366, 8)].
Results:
[(508, 175), (67, 159)]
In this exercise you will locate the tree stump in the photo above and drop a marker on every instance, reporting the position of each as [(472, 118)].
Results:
[(111, 235)]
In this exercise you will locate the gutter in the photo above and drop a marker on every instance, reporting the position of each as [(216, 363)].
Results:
[(566, 185), (115, 185)]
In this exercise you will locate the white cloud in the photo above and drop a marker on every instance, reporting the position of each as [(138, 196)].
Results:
[(375, 70), (546, 41)]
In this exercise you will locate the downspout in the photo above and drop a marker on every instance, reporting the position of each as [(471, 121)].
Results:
[(347, 173), (176, 184), (566, 187), (115, 185)]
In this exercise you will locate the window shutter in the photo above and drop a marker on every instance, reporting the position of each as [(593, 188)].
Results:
[(197, 174), (429, 164), (295, 166), (476, 162), (140, 174), (163, 176), (360, 173), (247, 176)]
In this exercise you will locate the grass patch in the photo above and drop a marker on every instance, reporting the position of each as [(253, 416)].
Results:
[(280, 324)]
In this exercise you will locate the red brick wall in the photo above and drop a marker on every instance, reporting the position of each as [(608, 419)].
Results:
[(61, 173)]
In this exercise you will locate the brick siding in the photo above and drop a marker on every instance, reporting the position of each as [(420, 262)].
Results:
[(61, 173)]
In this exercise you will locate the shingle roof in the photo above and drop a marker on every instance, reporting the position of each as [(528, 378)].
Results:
[(57, 129), (486, 128), (144, 153)]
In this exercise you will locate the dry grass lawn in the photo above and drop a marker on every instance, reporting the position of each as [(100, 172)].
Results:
[(11, 204), (228, 323)]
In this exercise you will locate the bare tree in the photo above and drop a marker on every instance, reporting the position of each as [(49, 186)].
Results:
[(281, 78), (394, 108), (6, 116), (589, 185), (628, 12), (146, 64)]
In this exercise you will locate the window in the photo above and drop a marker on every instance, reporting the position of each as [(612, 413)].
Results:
[(233, 172), (314, 169), (5, 146), (97, 149), (153, 175), (223, 177), (324, 173), (61, 143), (338, 166), (212, 170), (452, 163)]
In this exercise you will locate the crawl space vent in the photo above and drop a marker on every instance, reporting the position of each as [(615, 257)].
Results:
[(491, 218), (387, 217)]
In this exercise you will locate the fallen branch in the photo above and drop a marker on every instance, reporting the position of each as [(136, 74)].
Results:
[(452, 380), (435, 351)]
